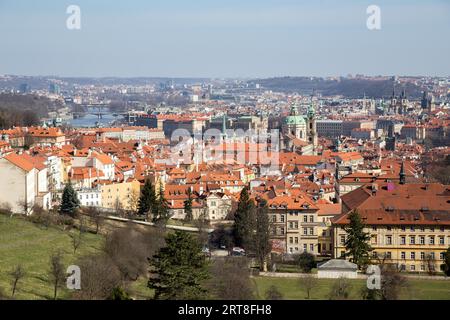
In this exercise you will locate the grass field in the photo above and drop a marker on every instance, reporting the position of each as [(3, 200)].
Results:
[(25, 243), (28, 244), (291, 289)]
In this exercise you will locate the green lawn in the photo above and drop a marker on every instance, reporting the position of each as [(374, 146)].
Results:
[(291, 289), (22, 242)]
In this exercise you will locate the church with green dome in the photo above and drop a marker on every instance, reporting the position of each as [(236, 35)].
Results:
[(299, 127)]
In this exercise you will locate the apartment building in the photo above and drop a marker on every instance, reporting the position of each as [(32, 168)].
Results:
[(294, 224), (409, 224)]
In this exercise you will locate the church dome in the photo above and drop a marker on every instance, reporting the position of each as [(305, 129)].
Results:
[(294, 118)]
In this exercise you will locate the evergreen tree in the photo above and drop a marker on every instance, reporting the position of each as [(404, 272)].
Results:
[(262, 238), (147, 200), (188, 207), (244, 221), (446, 266), (69, 201), (357, 243), (179, 269), (161, 212)]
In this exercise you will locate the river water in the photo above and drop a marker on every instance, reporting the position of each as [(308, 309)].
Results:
[(91, 120)]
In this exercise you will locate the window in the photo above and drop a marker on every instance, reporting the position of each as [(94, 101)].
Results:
[(389, 240), (412, 229), (305, 247), (422, 240), (311, 218), (412, 240), (311, 247), (388, 255), (296, 240), (422, 267), (274, 218), (432, 255), (441, 240), (291, 240), (213, 203), (296, 224), (403, 228), (311, 231), (413, 268), (342, 239), (282, 218), (402, 267), (413, 256), (374, 254), (282, 230), (342, 254), (442, 256), (305, 231), (402, 240), (431, 240), (305, 218), (291, 225), (403, 255), (432, 229), (389, 228), (422, 256)]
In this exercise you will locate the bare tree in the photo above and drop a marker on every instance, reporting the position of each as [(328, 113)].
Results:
[(16, 274), (133, 201), (56, 274), (340, 289), (26, 207), (230, 279), (100, 277), (76, 239), (129, 249), (430, 264), (307, 283), (273, 293), (96, 217)]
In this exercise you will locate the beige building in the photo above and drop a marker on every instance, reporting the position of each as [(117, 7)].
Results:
[(122, 195), (409, 224)]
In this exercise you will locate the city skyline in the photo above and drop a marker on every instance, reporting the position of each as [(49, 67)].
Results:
[(224, 40)]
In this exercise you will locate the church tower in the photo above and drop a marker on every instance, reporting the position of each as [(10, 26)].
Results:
[(294, 124), (311, 126)]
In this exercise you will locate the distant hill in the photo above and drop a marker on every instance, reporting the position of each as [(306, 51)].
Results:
[(350, 88)]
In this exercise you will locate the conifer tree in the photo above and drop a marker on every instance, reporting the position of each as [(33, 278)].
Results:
[(69, 201), (357, 243), (188, 207), (161, 212), (244, 221), (147, 200)]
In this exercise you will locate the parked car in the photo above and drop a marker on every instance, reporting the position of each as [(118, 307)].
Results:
[(237, 251)]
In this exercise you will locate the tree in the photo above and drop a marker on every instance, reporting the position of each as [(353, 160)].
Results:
[(357, 243), (188, 207), (230, 279), (273, 293), (308, 283), (391, 285), (179, 269), (96, 217), (76, 240), (56, 273), (99, 277), (16, 274), (306, 261), (430, 264), (340, 289), (69, 201), (446, 265), (244, 221), (262, 238), (147, 200), (119, 293), (161, 214), (128, 248)]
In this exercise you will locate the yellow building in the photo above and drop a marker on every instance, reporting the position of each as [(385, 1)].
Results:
[(120, 195), (409, 224), (294, 224)]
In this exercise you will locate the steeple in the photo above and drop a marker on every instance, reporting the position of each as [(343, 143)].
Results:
[(402, 173), (224, 126)]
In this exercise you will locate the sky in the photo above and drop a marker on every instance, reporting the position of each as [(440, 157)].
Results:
[(224, 38)]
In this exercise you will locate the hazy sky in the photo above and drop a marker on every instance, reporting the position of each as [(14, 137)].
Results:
[(224, 38)]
